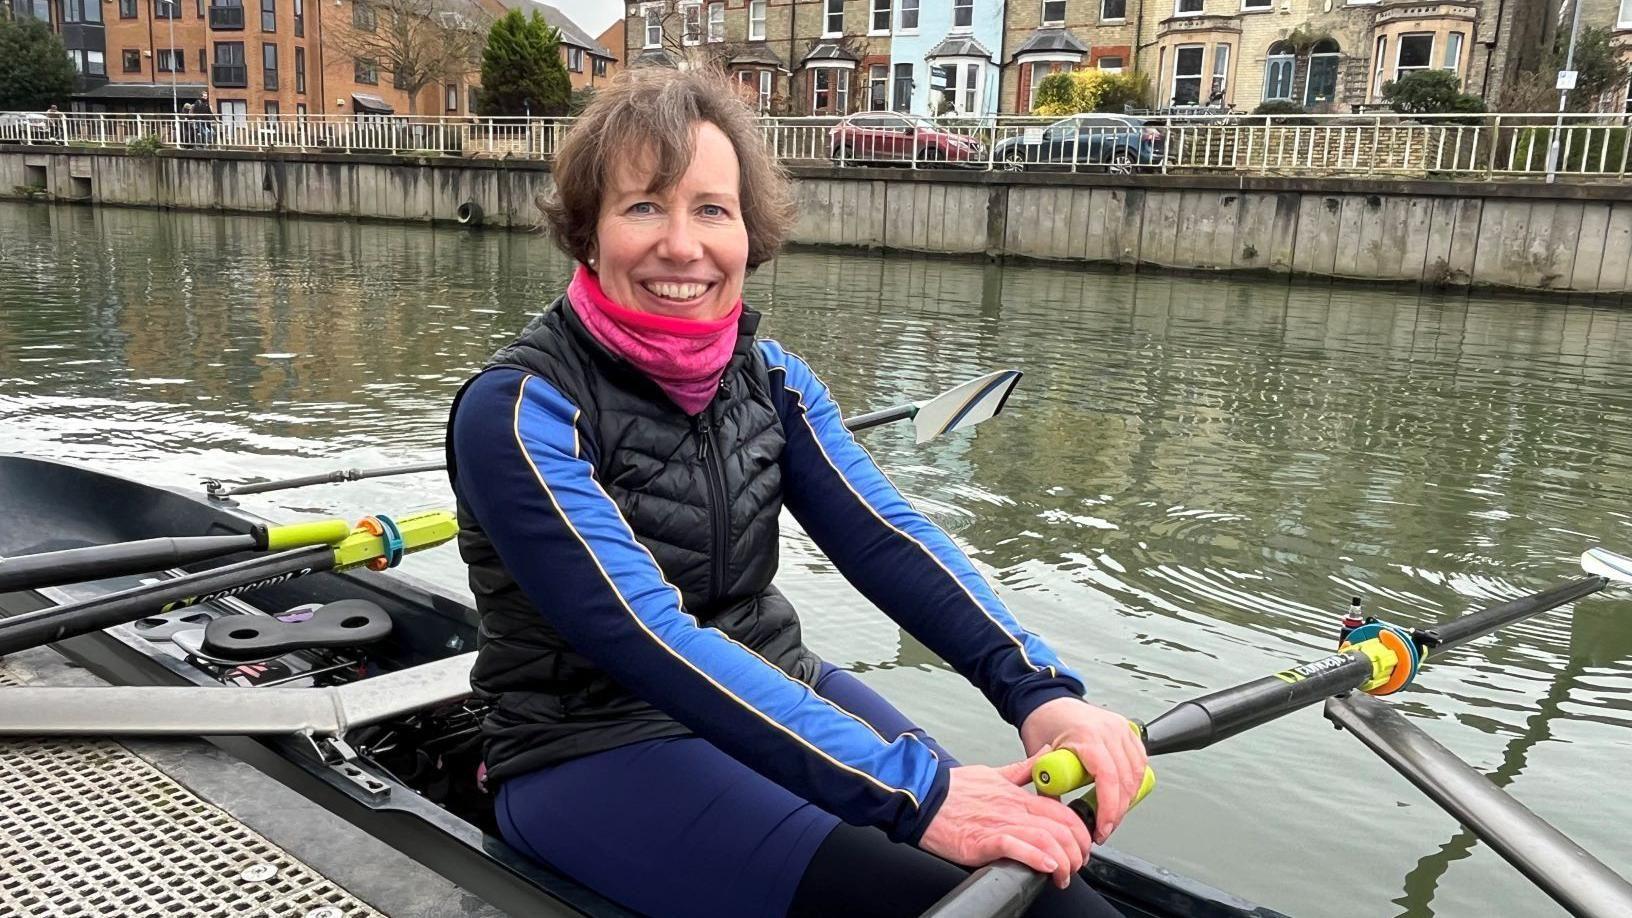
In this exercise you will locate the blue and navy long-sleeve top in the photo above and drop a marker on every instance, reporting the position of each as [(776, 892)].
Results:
[(530, 481)]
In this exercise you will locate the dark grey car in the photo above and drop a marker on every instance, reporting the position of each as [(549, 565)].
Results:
[(1116, 143)]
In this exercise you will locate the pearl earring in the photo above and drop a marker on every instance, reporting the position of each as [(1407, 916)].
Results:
[(592, 261)]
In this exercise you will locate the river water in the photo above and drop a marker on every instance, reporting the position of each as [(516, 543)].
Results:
[(1193, 479)]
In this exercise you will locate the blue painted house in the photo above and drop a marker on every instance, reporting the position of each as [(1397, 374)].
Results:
[(944, 55)]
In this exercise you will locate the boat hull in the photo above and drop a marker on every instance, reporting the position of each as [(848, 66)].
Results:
[(51, 505)]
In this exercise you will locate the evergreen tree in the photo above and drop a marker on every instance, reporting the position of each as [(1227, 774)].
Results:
[(35, 72), (522, 70)]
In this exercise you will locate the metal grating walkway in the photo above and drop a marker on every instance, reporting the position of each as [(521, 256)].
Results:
[(90, 829)]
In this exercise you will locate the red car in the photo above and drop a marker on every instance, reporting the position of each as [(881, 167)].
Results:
[(893, 137)]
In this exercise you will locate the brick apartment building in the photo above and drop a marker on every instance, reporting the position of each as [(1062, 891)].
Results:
[(262, 56), (980, 57)]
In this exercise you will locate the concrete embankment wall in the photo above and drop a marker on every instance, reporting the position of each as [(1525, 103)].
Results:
[(1573, 238)]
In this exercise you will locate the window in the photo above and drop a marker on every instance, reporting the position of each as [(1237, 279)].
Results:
[(450, 98), (166, 9), (1322, 83), (127, 9), (170, 60), (878, 88), (1038, 71), (1624, 20), (399, 80), (1416, 52), (132, 60), (907, 19), (1279, 68), (269, 66), (956, 87), (764, 90), (269, 15), (1187, 7), (81, 11), (963, 14), (230, 69), (300, 70), (270, 107), (1187, 74), (203, 62), (1111, 64), (716, 22), (600, 66), (234, 112), (1053, 12), (300, 109), (901, 97), (1221, 74), (96, 64), (833, 19), (300, 18), (366, 70), (1382, 68), (691, 16), (830, 90), (226, 14), (1258, 5), (575, 60), (1113, 10), (1453, 52), (883, 12), (362, 16), (654, 25), (756, 20)]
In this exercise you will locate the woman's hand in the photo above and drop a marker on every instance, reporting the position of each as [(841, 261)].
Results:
[(987, 815), (1105, 743)]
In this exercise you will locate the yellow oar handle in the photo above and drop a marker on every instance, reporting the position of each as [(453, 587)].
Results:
[(300, 535), (373, 544), (1060, 772)]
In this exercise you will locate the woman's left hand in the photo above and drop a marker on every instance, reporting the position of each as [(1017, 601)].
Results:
[(1109, 749)]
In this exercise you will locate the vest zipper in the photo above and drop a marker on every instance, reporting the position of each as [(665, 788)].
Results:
[(719, 513)]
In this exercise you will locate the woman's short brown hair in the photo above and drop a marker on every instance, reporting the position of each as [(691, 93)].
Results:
[(657, 109)]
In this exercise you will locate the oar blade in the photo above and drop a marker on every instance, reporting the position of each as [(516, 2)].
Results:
[(1605, 563), (966, 405)]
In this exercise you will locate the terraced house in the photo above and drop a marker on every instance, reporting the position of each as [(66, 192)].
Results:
[(826, 57), (1324, 55)]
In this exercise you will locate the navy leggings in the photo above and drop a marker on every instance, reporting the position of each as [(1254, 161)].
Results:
[(706, 836)]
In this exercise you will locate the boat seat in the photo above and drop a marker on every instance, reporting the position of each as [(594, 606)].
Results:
[(247, 638)]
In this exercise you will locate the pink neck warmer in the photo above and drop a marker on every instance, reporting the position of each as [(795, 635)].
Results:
[(685, 357)]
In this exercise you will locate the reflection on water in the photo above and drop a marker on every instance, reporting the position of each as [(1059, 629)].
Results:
[(1192, 480)]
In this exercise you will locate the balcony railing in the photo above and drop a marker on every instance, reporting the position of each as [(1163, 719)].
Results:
[(226, 17), (1466, 147), (230, 76)]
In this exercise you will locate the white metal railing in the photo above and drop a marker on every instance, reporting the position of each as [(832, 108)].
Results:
[(1382, 144)]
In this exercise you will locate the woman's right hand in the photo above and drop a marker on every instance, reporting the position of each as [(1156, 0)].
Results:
[(988, 814)]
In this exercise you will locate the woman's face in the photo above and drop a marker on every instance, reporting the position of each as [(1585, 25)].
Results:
[(679, 252)]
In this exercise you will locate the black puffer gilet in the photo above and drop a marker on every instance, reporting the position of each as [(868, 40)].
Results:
[(701, 493)]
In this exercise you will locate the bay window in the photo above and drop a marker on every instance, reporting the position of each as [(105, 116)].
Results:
[(1453, 52), (1416, 52), (1187, 74)]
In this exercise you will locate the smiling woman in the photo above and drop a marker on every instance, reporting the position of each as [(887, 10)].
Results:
[(659, 730)]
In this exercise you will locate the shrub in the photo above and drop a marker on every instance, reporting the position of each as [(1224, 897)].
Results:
[(1279, 107), (1430, 92), (145, 146), (1088, 91)]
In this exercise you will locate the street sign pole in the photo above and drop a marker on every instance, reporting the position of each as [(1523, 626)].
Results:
[(1563, 95)]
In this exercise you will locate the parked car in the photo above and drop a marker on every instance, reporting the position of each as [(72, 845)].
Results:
[(894, 137), (1118, 143), (24, 127)]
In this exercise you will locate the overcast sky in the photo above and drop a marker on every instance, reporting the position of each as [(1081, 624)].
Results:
[(595, 16)]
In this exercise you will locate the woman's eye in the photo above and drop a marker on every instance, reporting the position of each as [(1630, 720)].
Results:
[(713, 210), (643, 207)]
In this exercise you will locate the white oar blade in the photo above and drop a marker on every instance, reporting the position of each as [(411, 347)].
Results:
[(966, 405), (1607, 564)]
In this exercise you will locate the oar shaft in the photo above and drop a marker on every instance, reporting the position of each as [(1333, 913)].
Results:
[(95, 562), (1476, 625), (57, 623), (334, 477), (880, 417)]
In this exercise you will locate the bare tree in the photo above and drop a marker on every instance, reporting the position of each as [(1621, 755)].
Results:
[(422, 42)]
